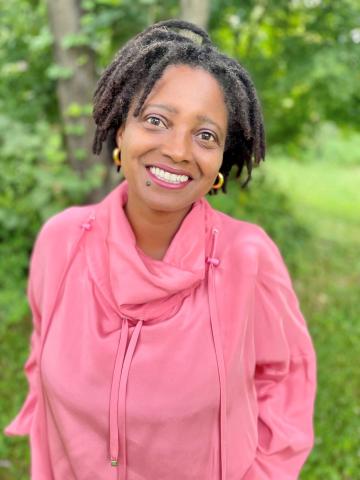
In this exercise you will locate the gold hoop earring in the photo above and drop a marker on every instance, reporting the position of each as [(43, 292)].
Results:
[(220, 181), (117, 158)]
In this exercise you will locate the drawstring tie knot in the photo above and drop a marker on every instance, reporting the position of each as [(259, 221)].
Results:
[(214, 261), (88, 225)]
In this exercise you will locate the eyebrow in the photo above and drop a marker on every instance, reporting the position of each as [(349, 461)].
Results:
[(168, 108)]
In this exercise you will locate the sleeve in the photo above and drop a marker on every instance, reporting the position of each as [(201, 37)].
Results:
[(21, 424), (30, 420), (285, 373)]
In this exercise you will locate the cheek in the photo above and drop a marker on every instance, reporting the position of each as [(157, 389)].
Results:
[(137, 143), (211, 165)]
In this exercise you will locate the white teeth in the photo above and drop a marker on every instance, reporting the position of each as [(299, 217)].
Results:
[(167, 176)]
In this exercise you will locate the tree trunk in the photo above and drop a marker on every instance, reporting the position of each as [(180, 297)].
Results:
[(75, 87), (196, 11)]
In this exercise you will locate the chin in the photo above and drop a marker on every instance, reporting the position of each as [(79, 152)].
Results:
[(168, 207), (167, 204)]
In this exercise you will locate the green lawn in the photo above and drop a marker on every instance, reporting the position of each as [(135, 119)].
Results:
[(327, 196)]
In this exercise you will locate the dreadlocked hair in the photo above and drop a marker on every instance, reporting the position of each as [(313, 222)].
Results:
[(141, 62)]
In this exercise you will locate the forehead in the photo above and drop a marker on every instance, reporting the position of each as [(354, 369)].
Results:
[(190, 90)]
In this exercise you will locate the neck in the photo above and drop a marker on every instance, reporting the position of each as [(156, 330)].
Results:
[(153, 229)]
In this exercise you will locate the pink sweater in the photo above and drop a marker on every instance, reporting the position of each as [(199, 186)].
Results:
[(196, 367)]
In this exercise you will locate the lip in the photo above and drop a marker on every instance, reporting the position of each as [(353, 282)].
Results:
[(169, 169)]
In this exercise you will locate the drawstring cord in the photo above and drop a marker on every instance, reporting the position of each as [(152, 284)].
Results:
[(213, 262), (118, 394), (124, 355)]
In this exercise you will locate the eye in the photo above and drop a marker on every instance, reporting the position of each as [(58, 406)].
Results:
[(152, 120), (209, 136)]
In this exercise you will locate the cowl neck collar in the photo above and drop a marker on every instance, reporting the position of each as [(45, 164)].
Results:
[(136, 286)]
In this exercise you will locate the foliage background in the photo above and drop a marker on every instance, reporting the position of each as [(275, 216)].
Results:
[(304, 58)]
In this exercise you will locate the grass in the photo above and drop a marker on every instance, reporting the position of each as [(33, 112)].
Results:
[(327, 196)]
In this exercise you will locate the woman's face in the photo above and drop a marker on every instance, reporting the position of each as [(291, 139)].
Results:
[(177, 141)]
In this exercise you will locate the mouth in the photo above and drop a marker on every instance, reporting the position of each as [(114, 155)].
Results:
[(169, 175), (167, 179)]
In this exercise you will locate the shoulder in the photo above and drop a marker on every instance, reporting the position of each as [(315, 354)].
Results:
[(248, 243), (236, 231), (63, 225), (51, 249), (56, 237)]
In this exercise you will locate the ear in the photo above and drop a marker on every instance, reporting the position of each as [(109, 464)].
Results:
[(119, 136)]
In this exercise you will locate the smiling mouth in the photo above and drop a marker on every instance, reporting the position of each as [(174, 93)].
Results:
[(168, 177)]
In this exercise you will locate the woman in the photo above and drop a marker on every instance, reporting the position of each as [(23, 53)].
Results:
[(168, 342)]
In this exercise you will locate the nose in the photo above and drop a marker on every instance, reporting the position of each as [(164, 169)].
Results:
[(177, 146)]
